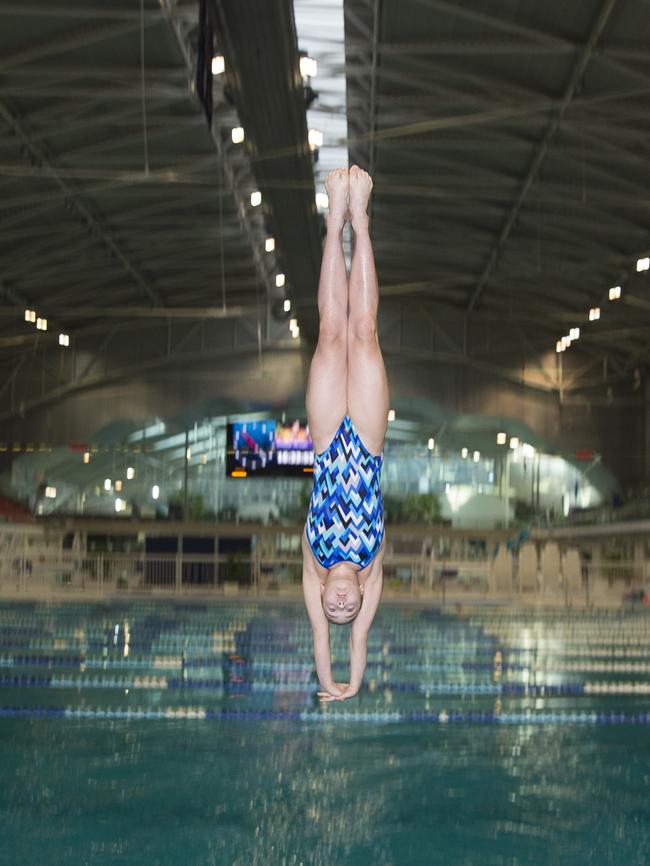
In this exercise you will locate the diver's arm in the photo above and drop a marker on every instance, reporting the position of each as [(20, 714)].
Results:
[(361, 628), (319, 625)]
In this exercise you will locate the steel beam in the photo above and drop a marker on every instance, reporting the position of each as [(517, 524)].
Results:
[(543, 147)]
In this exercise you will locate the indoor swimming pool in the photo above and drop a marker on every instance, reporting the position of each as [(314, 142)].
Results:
[(183, 732)]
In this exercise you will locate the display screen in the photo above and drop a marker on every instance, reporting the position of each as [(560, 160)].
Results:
[(268, 447)]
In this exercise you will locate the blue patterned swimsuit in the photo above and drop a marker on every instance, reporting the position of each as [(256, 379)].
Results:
[(345, 522)]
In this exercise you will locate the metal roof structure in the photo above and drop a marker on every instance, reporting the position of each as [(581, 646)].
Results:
[(507, 140)]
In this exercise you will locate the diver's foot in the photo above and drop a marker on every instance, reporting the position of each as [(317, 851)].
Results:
[(360, 184), (336, 184)]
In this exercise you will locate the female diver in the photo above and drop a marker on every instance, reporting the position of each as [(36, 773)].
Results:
[(347, 410)]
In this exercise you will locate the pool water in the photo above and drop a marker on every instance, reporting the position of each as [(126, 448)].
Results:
[(180, 733)]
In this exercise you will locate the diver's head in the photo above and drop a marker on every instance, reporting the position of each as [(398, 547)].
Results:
[(341, 594)]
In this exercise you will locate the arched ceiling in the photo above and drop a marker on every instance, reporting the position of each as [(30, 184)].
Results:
[(508, 141)]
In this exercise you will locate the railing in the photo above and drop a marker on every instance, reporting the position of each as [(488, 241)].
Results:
[(437, 563)]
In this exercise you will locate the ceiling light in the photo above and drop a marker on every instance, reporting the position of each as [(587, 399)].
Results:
[(476, 456), (559, 347), (391, 414), (293, 324), (287, 305), (615, 293), (430, 444), (41, 324), (30, 315), (237, 134), (279, 280), (118, 486), (295, 333), (308, 67), (64, 340), (119, 504), (269, 245), (514, 442), (86, 456), (218, 64), (464, 453), (501, 438), (322, 200), (574, 333), (315, 138), (256, 198), (107, 484), (594, 313), (643, 264), (130, 473), (155, 492), (50, 492)]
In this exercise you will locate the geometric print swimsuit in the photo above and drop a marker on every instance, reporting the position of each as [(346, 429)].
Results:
[(345, 522)]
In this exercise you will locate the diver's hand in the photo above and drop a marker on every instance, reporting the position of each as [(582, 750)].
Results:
[(332, 689), (345, 690)]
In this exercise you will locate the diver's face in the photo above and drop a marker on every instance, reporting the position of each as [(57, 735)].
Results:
[(341, 598)]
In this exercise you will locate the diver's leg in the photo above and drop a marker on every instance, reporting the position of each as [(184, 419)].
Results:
[(327, 385), (367, 383)]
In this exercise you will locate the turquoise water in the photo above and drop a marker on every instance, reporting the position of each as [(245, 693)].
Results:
[(488, 737)]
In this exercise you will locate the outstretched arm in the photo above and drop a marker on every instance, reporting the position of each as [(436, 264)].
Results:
[(359, 633), (319, 624), (360, 630)]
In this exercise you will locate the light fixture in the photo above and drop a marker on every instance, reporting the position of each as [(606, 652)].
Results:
[(237, 134), (119, 504), (155, 492), (130, 473), (476, 456), (188, 454), (315, 138), (279, 280), (594, 313), (218, 64), (514, 442), (118, 485), (566, 342), (287, 305), (30, 316), (574, 333), (322, 200), (256, 198), (643, 264), (431, 444), (86, 456), (295, 333), (308, 67), (528, 450), (615, 293), (293, 324), (41, 324), (64, 340), (501, 438), (50, 492), (559, 346), (107, 484), (464, 452), (391, 414), (269, 245)]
